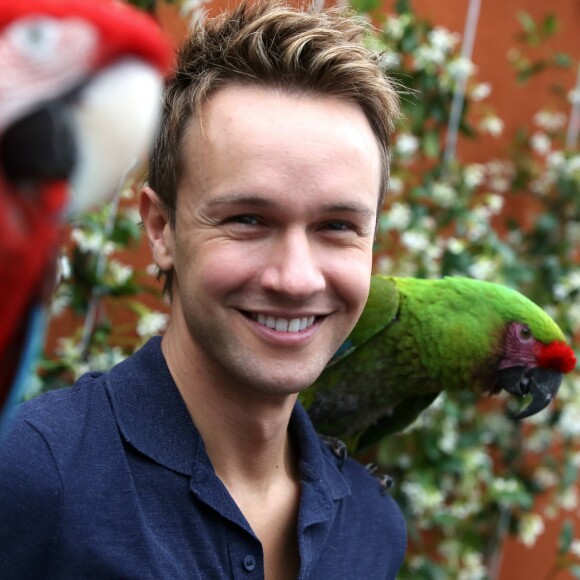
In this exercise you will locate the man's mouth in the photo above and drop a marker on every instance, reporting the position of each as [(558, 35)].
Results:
[(284, 324)]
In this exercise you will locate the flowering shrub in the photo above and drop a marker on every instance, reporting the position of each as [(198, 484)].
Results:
[(466, 475)]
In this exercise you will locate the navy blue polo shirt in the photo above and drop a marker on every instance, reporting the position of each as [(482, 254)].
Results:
[(110, 479)]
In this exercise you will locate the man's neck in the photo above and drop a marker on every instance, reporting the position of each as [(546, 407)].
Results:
[(245, 436)]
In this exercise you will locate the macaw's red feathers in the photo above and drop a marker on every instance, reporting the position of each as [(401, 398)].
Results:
[(79, 101), (557, 356), (122, 28)]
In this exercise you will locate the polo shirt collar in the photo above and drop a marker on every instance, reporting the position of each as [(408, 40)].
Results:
[(150, 411), (153, 418)]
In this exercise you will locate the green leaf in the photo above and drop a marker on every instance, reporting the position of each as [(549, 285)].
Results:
[(566, 537), (527, 22), (403, 7), (550, 25), (366, 6), (430, 144), (575, 570), (562, 60)]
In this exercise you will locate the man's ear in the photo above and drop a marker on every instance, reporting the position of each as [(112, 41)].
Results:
[(158, 228)]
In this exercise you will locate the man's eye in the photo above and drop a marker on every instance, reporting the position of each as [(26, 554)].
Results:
[(245, 220), (339, 226)]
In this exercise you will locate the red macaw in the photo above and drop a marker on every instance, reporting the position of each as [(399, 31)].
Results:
[(80, 92)]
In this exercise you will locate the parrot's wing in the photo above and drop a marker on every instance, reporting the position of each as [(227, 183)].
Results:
[(380, 311), (402, 415)]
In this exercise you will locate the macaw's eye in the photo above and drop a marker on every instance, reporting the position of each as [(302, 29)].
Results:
[(35, 38), (525, 333)]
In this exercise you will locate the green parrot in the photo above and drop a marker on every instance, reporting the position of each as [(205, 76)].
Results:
[(416, 338)]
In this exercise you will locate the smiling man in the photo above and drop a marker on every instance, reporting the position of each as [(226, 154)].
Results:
[(192, 458)]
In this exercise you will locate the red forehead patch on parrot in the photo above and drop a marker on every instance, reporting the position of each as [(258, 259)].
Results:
[(557, 356), (124, 29)]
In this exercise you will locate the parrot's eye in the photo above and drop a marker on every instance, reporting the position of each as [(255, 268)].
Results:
[(525, 333), (37, 38)]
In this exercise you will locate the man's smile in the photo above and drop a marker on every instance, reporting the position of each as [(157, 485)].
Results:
[(283, 324)]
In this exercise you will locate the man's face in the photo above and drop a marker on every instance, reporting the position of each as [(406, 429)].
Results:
[(272, 247)]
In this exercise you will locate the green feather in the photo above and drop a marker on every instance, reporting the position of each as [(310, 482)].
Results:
[(415, 339)]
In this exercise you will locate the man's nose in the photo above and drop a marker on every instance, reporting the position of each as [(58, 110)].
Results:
[(293, 267)]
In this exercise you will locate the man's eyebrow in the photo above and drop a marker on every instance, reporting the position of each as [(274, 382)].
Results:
[(349, 207), (260, 201), (241, 199)]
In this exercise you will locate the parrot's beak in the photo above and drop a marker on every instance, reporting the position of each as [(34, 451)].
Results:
[(541, 384), (40, 146)]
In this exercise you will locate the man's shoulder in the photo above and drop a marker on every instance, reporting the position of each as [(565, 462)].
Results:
[(49, 431), (67, 408), (367, 486), (369, 513)]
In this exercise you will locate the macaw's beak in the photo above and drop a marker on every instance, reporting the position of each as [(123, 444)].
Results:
[(541, 384), (41, 146)]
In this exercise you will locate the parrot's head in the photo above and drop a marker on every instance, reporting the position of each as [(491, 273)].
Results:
[(533, 354), (80, 93)]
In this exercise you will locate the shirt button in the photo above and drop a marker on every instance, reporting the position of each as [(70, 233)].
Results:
[(249, 563)]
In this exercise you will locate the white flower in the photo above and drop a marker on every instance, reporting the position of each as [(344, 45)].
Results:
[(492, 125), (395, 185), (193, 10), (545, 477), (500, 174), (442, 39), (574, 96), (60, 301), (399, 216), (556, 160), (494, 203), (474, 175), (549, 121), (415, 241), (120, 272), (390, 60), (531, 527), (455, 246), (504, 486), (395, 27), (152, 323), (573, 166), (127, 192), (385, 265), (63, 268), (540, 143), (422, 498), (406, 144), (443, 194), (427, 57), (568, 499), (461, 67), (574, 314), (472, 567), (92, 242), (449, 438), (480, 91), (570, 420), (133, 215)]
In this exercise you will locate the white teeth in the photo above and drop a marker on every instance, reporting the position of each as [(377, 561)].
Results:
[(294, 325), (283, 324)]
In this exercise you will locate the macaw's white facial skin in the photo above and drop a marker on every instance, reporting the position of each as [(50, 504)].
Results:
[(272, 247)]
